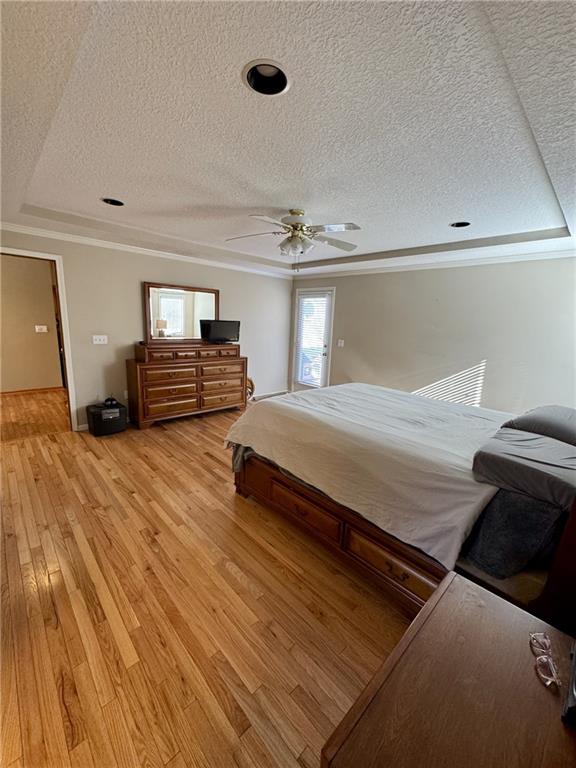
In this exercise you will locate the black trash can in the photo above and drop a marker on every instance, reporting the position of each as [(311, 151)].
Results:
[(108, 418)]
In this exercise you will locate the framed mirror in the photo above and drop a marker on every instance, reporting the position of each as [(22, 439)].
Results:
[(172, 313)]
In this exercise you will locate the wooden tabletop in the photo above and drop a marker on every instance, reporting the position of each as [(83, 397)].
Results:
[(460, 691)]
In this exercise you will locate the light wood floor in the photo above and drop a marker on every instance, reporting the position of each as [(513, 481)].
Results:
[(152, 617), (25, 414)]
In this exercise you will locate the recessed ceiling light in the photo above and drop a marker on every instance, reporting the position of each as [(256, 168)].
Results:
[(460, 224), (111, 201), (266, 77)]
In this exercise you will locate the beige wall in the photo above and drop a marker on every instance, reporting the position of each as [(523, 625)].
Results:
[(29, 360), (406, 330), (104, 296)]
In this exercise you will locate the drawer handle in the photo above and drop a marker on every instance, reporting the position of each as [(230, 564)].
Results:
[(171, 374), (393, 571), (302, 511)]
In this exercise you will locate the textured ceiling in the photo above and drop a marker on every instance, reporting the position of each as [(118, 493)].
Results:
[(401, 117)]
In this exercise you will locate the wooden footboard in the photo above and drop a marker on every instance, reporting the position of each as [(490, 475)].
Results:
[(410, 575)]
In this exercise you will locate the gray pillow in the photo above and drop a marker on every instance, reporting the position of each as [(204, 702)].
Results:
[(555, 421)]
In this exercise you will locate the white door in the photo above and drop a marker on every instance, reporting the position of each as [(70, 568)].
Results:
[(313, 337)]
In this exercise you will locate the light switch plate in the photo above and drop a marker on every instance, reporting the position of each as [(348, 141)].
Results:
[(41, 328), (340, 343), (100, 339)]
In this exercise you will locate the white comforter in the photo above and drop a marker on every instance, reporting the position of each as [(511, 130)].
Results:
[(402, 461)]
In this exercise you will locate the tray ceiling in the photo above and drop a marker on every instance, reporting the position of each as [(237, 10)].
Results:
[(401, 117)]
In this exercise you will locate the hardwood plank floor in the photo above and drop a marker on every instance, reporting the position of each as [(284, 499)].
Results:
[(26, 414), (152, 617)]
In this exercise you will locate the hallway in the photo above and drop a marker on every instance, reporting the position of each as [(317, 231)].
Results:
[(34, 413)]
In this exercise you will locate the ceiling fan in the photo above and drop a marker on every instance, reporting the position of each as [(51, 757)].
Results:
[(301, 235)]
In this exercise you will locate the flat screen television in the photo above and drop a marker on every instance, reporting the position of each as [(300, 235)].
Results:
[(220, 331)]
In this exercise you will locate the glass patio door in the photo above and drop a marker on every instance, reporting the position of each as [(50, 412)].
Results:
[(313, 339)]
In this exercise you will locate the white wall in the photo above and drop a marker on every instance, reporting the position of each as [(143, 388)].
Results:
[(406, 330), (104, 296)]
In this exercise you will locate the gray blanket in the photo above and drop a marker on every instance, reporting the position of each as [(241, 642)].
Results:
[(522, 524), (514, 532)]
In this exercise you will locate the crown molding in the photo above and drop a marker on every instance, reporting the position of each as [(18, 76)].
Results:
[(282, 274), (474, 261), (318, 272), (440, 248)]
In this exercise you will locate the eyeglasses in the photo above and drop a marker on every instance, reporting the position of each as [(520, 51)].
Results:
[(546, 670)]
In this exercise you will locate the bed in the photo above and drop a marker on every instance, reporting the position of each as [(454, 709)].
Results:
[(394, 489)]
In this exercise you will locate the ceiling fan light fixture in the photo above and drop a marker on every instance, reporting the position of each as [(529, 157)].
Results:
[(300, 234), (266, 77), (307, 246), (285, 247)]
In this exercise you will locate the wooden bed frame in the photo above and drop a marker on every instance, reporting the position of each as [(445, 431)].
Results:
[(406, 572)]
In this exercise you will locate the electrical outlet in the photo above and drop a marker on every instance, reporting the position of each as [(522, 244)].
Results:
[(125, 394), (100, 339), (41, 328)]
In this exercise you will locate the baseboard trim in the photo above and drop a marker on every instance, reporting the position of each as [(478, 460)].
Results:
[(266, 395), (33, 391)]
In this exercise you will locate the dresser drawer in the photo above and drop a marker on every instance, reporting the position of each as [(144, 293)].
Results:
[(368, 552), (186, 355), (168, 374), (168, 390), (169, 407), (232, 382), (229, 398), (306, 510), (155, 356), (229, 352), (208, 353), (215, 369)]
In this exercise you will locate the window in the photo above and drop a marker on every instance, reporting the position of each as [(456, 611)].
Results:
[(171, 309), (313, 337)]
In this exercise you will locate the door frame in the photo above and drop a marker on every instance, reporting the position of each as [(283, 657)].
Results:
[(298, 291), (59, 265)]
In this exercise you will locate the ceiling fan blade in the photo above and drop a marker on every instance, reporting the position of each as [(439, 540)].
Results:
[(255, 234), (267, 219), (334, 227), (340, 244)]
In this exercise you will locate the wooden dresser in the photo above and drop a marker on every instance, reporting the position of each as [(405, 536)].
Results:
[(460, 689), (173, 380)]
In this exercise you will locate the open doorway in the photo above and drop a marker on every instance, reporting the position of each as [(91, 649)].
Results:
[(33, 380)]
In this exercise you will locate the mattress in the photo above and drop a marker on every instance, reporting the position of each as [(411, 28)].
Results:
[(402, 461)]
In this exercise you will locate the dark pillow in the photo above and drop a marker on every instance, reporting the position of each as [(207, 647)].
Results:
[(555, 421)]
